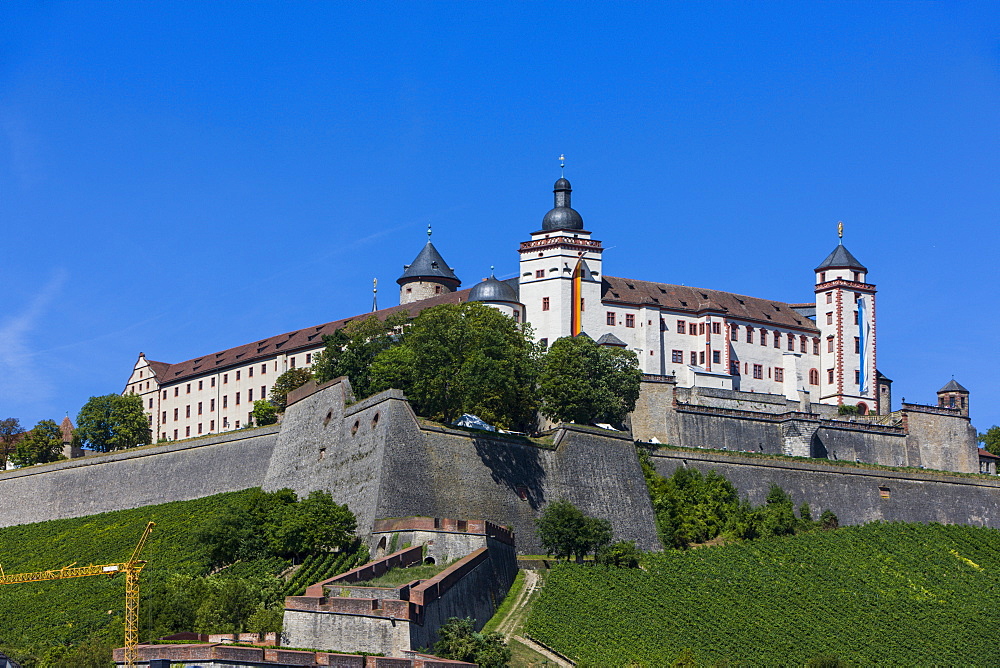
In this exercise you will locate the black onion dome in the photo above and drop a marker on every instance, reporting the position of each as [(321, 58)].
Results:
[(428, 264), (563, 216), (492, 290)]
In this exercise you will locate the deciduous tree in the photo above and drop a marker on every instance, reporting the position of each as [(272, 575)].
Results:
[(264, 412), (991, 440), (10, 430), (565, 531), (285, 383), (464, 358), (350, 351), (460, 641), (42, 444), (113, 422), (583, 382)]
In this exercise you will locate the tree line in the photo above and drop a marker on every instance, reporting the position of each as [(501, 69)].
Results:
[(470, 358), (448, 360)]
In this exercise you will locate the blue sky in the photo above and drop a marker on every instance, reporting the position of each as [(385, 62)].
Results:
[(177, 178)]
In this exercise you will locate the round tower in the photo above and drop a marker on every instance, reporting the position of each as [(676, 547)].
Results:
[(427, 276), (500, 295), (953, 395)]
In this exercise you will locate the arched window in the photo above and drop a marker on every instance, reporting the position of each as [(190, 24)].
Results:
[(813, 376)]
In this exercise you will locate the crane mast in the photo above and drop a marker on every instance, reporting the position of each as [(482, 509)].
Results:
[(131, 568)]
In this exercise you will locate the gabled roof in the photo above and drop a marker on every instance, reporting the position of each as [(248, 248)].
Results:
[(159, 369), (841, 258), (301, 339), (953, 386), (699, 300), (428, 264)]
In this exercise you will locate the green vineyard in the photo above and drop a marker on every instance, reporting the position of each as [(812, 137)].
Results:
[(322, 566), (880, 594)]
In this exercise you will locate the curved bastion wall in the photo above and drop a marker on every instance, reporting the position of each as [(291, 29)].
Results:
[(377, 457)]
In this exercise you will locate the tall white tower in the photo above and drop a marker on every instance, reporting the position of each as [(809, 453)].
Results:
[(845, 316), (560, 283)]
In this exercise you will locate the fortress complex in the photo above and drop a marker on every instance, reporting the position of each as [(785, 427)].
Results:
[(733, 359)]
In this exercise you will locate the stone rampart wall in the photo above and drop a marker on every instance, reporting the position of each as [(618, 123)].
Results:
[(857, 495), (154, 474)]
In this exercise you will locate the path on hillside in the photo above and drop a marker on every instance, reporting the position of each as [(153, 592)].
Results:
[(515, 617)]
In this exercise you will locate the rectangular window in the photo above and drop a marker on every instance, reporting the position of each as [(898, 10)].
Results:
[(803, 343), (225, 401), (734, 368), (857, 344), (177, 391), (539, 273), (517, 316), (716, 328), (187, 411), (779, 374), (701, 357), (211, 405), (237, 398), (188, 390), (693, 328), (829, 344), (263, 391), (175, 434), (164, 417), (176, 414), (749, 334), (250, 370), (309, 359), (791, 342), (199, 408), (829, 318), (763, 337), (293, 363), (829, 376), (855, 317), (187, 431), (829, 297), (213, 381), (734, 334), (629, 320), (225, 378), (716, 357), (701, 328), (164, 436), (677, 356), (263, 369), (815, 346), (758, 371), (250, 395), (545, 303), (211, 425), (199, 427), (151, 402), (777, 339), (583, 304), (238, 422), (164, 394), (857, 377), (681, 327), (610, 318), (201, 384), (694, 358)]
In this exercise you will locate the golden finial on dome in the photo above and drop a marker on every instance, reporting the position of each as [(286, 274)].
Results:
[(840, 229)]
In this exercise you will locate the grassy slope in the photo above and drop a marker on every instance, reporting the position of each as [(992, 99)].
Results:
[(877, 594), (67, 611)]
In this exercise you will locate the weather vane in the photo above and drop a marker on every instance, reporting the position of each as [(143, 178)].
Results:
[(428, 231), (374, 294), (562, 165), (840, 229)]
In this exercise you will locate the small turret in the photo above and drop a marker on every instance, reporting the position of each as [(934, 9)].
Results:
[(953, 395), (563, 216), (428, 275)]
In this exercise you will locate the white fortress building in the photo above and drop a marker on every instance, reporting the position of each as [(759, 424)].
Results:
[(821, 352)]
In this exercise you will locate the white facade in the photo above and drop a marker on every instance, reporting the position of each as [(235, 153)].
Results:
[(701, 337)]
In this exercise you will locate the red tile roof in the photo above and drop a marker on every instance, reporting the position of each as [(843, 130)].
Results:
[(290, 342), (699, 300)]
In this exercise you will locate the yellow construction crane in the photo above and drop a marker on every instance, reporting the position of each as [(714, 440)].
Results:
[(131, 568)]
